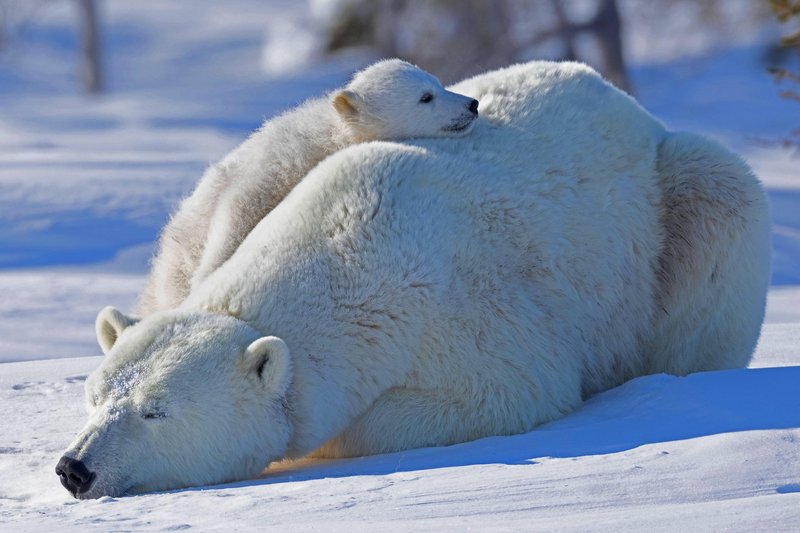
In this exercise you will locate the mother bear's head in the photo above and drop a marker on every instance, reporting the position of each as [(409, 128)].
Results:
[(181, 399)]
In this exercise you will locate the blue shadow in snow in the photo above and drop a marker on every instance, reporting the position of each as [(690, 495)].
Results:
[(785, 235), (646, 410), (74, 239)]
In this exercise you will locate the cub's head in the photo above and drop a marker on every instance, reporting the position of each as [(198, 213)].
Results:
[(393, 99), (181, 399)]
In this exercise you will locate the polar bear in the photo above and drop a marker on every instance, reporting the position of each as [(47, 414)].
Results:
[(438, 291), (391, 99)]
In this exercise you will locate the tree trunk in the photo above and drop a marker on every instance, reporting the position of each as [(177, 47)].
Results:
[(608, 29), (90, 70), (565, 30)]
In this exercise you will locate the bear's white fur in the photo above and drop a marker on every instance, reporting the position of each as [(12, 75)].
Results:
[(390, 99), (428, 293)]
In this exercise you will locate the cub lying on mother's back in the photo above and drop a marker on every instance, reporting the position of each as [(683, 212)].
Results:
[(391, 99), (439, 291)]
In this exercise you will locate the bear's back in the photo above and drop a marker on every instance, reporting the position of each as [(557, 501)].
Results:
[(534, 238)]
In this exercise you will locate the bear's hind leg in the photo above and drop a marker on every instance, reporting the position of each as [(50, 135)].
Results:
[(714, 267)]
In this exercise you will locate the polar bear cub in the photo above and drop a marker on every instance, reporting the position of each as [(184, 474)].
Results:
[(393, 99), (389, 100)]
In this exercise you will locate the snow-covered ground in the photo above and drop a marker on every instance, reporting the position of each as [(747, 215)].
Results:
[(86, 184), (710, 452)]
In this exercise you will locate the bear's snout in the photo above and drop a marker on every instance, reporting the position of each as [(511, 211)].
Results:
[(74, 475), (473, 106)]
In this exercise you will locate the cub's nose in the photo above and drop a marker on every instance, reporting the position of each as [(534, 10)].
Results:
[(473, 106), (74, 475)]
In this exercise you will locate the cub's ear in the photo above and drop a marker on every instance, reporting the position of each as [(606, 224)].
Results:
[(269, 358), (346, 103), (109, 325)]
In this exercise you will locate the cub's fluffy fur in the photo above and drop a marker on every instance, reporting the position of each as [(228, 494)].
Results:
[(391, 99)]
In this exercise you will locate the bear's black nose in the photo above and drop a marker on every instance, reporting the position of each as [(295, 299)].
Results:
[(473, 106), (74, 475)]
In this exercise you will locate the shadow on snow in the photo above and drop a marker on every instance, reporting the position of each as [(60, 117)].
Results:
[(646, 410)]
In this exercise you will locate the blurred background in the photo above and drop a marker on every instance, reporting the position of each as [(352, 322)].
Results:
[(111, 109)]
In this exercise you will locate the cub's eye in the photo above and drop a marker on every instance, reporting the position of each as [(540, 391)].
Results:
[(425, 98), (152, 415)]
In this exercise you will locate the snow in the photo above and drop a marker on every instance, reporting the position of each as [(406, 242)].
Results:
[(711, 451), (86, 184)]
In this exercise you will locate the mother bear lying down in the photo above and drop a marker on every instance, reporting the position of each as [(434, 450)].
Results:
[(437, 291)]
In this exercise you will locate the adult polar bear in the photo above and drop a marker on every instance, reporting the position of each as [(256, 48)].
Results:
[(434, 292)]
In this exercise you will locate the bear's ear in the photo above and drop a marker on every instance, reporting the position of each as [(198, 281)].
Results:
[(109, 325), (269, 358), (346, 103)]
